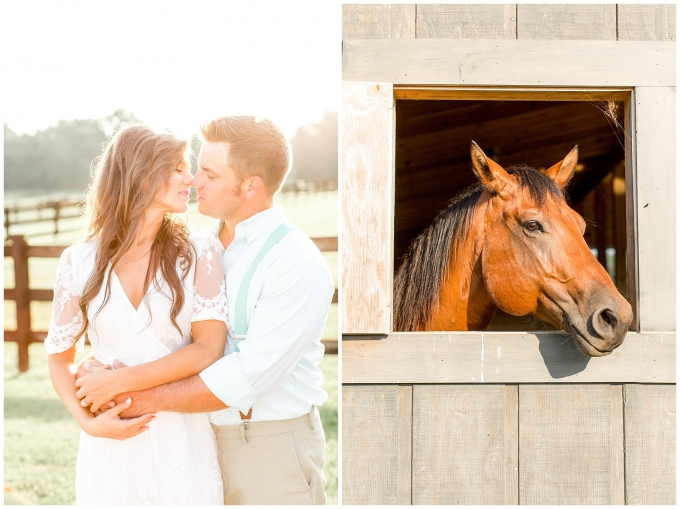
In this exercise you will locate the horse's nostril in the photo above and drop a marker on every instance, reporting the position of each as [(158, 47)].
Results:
[(605, 324), (609, 318)]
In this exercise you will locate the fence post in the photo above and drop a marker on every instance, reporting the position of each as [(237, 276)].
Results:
[(24, 335), (56, 217), (6, 223)]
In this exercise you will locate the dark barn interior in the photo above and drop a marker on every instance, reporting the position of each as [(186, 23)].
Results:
[(433, 165)]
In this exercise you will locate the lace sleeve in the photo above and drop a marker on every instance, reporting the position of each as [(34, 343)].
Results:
[(67, 319), (210, 300)]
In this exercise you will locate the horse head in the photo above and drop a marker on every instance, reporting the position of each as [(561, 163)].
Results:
[(533, 258)]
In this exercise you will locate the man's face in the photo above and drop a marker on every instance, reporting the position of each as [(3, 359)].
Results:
[(217, 186)]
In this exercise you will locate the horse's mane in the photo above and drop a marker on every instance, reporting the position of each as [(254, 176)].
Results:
[(428, 259)]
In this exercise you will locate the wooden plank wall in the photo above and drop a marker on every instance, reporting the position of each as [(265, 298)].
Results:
[(622, 22), (504, 443), (510, 444)]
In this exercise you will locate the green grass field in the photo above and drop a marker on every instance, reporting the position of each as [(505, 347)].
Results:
[(41, 437)]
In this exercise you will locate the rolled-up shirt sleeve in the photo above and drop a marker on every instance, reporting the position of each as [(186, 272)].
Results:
[(288, 318)]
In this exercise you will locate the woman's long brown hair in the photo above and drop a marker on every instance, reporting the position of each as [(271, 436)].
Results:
[(136, 163)]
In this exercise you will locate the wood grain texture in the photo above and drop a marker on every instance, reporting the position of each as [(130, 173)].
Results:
[(367, 134), (378, 21), (564, 444), (655, 207), (466, 21), (369, 444), (650, 444), (511, 446), (510, 62), (568, 22), (646, 22), (424, 93), (458, 444), (618, 482), (404, 443), (631, 210), (496, 357)]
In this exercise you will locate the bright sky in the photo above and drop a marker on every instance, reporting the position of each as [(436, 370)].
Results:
[(173, 63)]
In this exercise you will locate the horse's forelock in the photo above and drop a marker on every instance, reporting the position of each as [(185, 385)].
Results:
[(537, 183)]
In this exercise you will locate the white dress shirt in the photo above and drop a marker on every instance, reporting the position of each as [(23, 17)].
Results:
[(276, 371)]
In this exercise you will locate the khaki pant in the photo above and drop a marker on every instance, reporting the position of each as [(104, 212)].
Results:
[(273, 462)]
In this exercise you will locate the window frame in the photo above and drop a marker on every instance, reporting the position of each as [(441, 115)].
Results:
[(378, 72)]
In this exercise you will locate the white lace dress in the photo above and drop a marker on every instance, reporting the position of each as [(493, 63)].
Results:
[(175, 460)]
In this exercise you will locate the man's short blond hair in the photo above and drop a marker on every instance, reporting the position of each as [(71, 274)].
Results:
[(256, 147)]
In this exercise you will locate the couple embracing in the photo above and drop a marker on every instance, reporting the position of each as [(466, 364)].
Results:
[(203, 381)]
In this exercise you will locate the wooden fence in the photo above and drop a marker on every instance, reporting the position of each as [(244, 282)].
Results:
[(22, 294), (54, 209)]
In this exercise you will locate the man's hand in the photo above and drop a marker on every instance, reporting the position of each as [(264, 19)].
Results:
[(188, 395), (141, 403)]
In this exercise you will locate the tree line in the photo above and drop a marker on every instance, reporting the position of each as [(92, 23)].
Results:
[(61, 156)]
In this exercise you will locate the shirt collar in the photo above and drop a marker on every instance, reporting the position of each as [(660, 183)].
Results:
[(257, 225)]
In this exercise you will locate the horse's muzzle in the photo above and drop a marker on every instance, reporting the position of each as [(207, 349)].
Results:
[(606, 326)]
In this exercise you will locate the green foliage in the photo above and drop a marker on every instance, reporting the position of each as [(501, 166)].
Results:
[(60, 157), (41, 437)]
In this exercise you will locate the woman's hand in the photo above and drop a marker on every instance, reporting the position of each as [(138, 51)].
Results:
[(87, 367), (100, 386), (108, 424)]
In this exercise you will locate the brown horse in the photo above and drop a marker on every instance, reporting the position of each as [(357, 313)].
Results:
[(510, 242)]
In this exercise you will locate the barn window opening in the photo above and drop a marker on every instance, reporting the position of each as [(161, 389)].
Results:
[(432, 165)]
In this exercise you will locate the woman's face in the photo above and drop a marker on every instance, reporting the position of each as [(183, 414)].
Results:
[(174, 197)]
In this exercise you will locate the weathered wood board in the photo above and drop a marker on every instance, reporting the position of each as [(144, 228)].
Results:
[(367, 136), (510, 62), (569, 22), (646, 22), (501, 357), (378, 21), (650, 444), (655, 206), (466, 21), (369, 445), (623, 22), (464, 444), (565, 444)]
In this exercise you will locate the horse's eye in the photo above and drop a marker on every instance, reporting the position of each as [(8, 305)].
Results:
[(533, 226)]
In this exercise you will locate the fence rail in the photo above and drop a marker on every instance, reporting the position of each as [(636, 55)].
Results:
[(22, 294), (12, 214)]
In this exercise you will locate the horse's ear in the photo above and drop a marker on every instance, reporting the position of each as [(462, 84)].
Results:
[(562, 172), (492, 174)]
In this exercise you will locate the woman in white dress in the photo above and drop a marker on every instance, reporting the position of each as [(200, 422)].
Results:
[(148, 295)]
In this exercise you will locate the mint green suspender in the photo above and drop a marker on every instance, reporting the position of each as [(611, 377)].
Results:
[(241, 313)]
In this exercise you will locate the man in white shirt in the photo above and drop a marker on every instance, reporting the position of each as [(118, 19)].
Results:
[(263, 394)]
